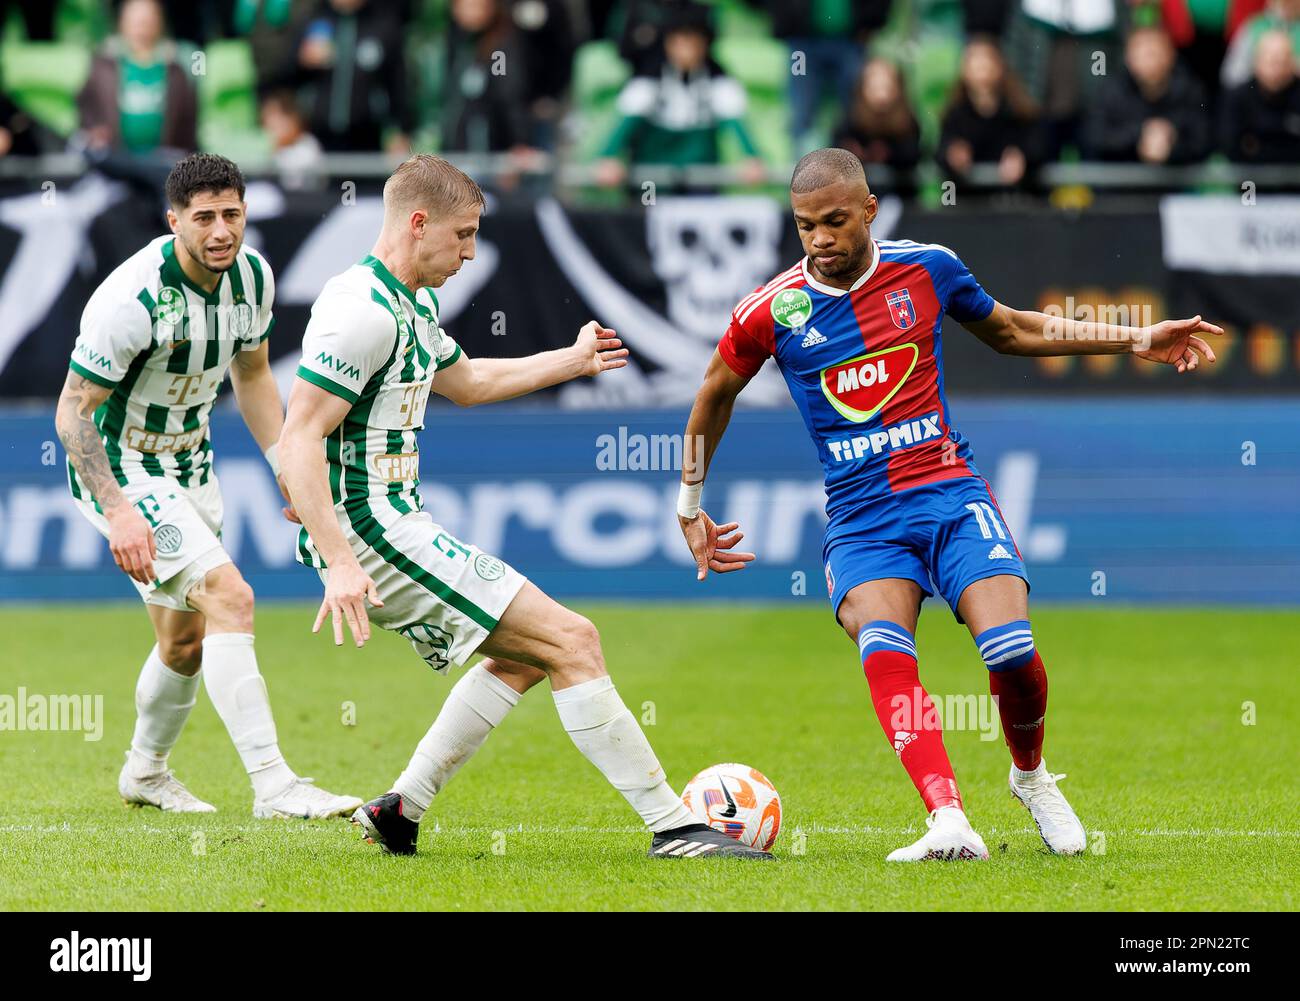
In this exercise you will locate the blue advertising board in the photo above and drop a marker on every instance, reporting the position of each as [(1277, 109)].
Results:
[(1188, 501)]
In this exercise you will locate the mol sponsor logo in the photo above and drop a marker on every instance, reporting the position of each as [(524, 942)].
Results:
[(859, 387)]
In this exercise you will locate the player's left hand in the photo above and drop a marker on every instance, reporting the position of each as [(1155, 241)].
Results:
[(711, 545), (1174, 342), (599, 349), (289, 513)]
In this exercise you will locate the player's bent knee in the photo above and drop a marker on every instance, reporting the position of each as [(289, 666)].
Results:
[(581, 644), (228, 598), (183, 654), (237, 597), (520, 677), (1007, 647)]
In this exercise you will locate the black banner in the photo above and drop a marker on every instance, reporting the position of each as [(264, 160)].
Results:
[(666, 277)]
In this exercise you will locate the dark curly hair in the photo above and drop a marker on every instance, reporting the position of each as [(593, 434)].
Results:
[(202, 172)]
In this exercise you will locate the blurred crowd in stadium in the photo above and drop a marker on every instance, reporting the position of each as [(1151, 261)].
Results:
[(1005, 84)]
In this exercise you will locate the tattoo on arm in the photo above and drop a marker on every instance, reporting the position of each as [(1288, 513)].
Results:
[(75, 424)]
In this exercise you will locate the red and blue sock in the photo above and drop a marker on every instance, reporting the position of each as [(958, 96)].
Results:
[(1018, 682), (906, 713)]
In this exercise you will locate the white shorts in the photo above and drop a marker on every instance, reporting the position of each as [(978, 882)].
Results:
[(443, 595), (186, 531)]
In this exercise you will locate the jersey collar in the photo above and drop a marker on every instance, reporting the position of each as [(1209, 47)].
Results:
[(396, 285), (831, 289)]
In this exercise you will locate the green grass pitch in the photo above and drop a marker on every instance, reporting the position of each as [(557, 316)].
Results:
[(1188, 806)]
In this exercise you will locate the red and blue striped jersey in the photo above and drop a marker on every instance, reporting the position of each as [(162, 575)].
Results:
[(865, 366)]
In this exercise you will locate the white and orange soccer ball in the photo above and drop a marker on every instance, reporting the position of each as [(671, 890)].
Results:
[(737, 800)]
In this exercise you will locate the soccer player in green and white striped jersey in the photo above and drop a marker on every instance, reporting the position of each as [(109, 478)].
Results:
[(157, 339), (372, 352)]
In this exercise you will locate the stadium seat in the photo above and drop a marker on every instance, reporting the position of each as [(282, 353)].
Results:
[(736, 19), (44, 78), (83, 21), (227, 88), (761, 64), (598, 74), (228, 101), (925, 38), (932, 75)]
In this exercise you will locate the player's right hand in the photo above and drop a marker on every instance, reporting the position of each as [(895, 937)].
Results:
[(347, 589), (130, 539), (711, 544)]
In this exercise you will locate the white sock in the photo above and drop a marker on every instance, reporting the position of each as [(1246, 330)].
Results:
[(478, 703), (239, 695), (603, 729), (1028, 776), (163, 700)]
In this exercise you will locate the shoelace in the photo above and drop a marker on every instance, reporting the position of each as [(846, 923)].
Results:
[(177, 788), (310, 790), (1050, 798)]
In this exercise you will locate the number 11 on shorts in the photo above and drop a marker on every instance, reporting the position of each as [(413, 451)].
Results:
[(986, 516)]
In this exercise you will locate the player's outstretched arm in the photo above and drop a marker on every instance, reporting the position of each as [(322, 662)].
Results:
[(471, 381), (712, 545), (313, 414), (1028, 332), (258, 399), (130, 538)]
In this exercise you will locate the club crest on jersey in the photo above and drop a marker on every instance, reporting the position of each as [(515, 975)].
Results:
[(900, 308), (859, 387), (241, 319)]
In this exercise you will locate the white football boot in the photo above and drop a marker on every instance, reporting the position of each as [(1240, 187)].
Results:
[(163, 790), (301, 800), (949, 838), (1057, 824)]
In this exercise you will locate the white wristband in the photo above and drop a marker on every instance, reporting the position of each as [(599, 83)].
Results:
[(273, 458), (688, 500)]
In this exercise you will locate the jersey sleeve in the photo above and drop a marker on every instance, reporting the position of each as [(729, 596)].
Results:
[(448, 350), (347, 341), (748, 341), (114, 330), (264, 319), (967, 300)]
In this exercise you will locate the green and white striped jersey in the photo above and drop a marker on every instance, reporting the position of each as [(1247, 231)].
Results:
[(164, 346), (376, 344)]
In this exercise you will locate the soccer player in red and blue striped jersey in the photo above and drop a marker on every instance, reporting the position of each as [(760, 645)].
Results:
[(855, 329)]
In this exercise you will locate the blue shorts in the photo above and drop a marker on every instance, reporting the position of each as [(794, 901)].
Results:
[(950, 533)]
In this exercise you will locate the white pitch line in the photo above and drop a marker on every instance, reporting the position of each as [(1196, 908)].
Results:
[(324, 827)]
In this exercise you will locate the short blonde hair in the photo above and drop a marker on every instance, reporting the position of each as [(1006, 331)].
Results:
[(431, 183)]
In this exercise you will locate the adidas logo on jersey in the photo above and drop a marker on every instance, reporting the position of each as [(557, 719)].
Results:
[(999, 552), (812, 338)]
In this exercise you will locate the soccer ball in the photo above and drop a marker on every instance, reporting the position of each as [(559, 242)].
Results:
[(737, 800)]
